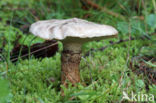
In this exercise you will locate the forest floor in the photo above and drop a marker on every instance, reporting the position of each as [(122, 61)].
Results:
[(109, 68)]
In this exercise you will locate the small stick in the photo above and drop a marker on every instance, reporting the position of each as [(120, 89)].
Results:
[(104, 9)]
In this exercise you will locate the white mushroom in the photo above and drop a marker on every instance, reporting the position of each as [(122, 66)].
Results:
[(73, 33)]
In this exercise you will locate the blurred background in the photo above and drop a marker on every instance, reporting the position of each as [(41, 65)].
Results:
[(30, 66)]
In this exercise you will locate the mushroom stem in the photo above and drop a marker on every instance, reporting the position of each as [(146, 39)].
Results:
[(71, 57)]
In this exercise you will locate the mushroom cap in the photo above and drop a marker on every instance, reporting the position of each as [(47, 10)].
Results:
[(71, 28)]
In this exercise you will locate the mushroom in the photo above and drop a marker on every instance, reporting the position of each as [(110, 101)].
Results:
[(73, 33)]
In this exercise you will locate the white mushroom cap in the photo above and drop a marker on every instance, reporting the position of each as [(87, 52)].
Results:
[(61, 29)]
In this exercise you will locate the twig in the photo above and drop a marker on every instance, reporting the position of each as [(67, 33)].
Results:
[(113, 43), (89, 3), (14, 59), (45, 47)]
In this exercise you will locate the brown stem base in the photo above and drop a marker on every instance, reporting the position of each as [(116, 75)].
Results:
[(70, 68)]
